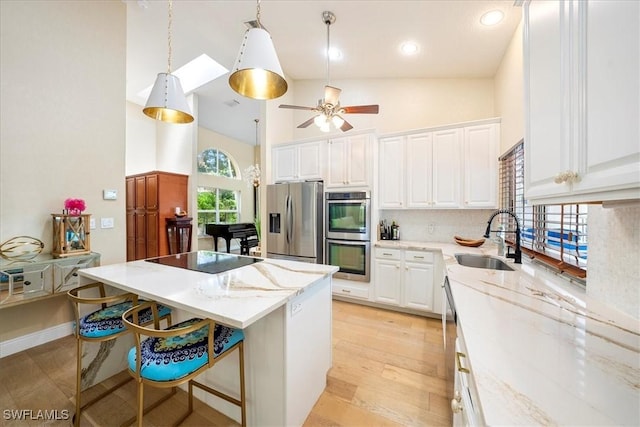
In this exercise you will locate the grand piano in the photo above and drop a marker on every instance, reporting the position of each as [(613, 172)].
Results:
[(246, 232)]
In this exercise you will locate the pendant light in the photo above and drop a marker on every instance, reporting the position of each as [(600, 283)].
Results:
[(167, 101), (257, 72)]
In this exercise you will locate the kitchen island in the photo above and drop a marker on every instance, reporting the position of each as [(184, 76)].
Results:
[(540, 351), (284, 308)]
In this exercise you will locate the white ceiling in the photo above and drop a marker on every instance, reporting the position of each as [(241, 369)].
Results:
[(453, 44)]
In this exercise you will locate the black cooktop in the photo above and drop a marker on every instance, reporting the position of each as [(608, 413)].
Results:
[(205, 261)]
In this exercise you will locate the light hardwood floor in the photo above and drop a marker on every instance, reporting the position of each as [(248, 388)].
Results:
[(388, 370)]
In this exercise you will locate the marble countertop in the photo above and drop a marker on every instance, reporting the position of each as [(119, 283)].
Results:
[(236, 297), (541, 351)]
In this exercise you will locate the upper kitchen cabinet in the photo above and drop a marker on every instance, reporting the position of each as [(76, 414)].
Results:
[(350, 161), (298, 161), (581, 68), (448, 168), (480, 147)]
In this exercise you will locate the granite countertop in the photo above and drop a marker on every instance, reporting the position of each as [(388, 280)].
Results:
[(236, 297), (541, 351)]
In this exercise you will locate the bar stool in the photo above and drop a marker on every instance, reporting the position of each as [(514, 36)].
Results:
[(102, 325), (173, 356)]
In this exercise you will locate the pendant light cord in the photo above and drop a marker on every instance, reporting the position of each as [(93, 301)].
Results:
[(328, 22), (169, 35), (258, 13)]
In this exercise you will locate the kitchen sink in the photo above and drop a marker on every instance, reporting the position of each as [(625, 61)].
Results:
[(482, 261)]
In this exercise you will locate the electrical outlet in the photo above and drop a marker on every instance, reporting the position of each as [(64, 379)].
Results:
[(92, 224), (106, 222), (432, 228), (295, 308)]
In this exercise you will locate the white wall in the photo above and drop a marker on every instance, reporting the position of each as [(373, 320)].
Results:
[(62, 131), (509, 93), (404, 104), (140, 149), (63, 122)]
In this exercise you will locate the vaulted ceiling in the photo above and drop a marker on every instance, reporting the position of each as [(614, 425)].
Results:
[(452, 44)]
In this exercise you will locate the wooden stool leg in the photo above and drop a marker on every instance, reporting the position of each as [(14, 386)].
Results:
[(76, 417), (140, 402), (243, 408)]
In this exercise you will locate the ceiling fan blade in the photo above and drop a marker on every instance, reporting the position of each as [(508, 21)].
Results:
[(307, 123), (331, 95), (296, 107), (346, 126), (360, 109)]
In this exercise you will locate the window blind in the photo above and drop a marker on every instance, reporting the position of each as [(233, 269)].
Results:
[(554, 234)]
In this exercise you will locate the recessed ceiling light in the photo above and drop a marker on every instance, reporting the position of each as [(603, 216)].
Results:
[(492, 18), (409, 48)]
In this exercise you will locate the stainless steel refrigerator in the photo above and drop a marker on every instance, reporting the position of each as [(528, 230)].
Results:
[(295, 214)]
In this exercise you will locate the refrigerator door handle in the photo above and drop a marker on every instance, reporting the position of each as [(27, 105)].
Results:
[(289, 218)]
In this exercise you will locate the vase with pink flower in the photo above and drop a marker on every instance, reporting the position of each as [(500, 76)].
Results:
[(74, 206)]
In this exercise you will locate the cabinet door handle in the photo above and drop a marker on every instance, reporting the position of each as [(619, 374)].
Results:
[(566, 176), (459, 363), (346, 291), (418, 257)]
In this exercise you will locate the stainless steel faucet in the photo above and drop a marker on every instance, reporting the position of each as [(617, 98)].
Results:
[(517, 256)]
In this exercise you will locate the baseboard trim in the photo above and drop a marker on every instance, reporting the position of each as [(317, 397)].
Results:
[(24, 342)]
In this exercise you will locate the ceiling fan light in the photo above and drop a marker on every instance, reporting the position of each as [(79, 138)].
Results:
[(320, 120), (167, 101), (326, 127), (257, 72), (337, 121)]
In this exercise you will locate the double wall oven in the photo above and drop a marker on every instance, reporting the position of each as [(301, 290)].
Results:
[(348, 234)]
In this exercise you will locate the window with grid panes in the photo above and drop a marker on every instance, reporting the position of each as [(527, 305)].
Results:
[(553, 234)]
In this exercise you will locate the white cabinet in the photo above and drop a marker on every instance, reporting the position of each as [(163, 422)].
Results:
[(387, 273), (392, 172), (582, 133), (349, 161), (297, 162), (418, 278), (420, 170), (405, 278), (446, 167), (480, 153), (450, 167)]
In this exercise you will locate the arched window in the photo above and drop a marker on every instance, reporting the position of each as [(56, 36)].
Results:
[(217, 204), (213, 161)]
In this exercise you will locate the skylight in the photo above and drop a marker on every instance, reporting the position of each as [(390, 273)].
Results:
[(194, 74)]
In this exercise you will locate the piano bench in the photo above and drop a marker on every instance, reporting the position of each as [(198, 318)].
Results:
[(246, 244)]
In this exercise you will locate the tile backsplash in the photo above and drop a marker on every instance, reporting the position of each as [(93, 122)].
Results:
[(439, 225), (613, 275)]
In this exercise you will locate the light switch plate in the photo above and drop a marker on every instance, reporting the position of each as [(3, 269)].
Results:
[(109, 194), (106, 222)]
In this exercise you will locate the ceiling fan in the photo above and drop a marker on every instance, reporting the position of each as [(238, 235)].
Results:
[(329, 109)]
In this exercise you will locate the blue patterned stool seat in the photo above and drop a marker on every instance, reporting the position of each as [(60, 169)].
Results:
[(171, 358), (108, 321)]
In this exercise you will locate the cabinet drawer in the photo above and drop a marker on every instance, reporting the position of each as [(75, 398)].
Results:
[(418, 256), (350, 291), (386, 253)]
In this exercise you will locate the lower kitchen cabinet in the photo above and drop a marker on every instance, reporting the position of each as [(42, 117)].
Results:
[(350, 289), (405, 278)]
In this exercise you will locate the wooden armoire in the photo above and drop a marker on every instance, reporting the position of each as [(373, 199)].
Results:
[(151, 198)]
